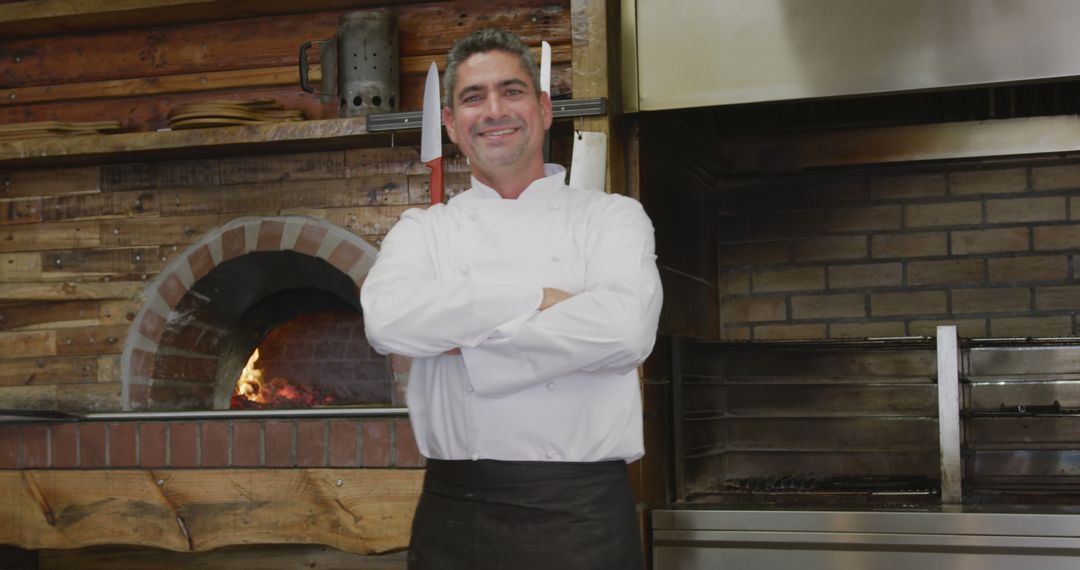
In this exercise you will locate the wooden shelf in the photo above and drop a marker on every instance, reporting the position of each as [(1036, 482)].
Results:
[(325, 134), (23, 18)]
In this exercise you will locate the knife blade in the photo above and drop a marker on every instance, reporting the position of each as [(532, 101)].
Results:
[(545, 86), (431, 134)]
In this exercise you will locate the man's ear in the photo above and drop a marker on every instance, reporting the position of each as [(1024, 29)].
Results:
[(448, 120), (545, 109)]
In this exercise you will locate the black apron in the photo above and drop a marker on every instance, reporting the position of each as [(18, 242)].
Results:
[(524, 515)]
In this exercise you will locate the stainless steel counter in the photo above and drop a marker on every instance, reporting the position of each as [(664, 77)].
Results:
[(698, 539)]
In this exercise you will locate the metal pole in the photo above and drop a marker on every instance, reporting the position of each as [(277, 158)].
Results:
[(949, 414), (305, 413)]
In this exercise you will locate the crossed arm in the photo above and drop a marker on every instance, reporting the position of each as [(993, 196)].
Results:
[(551, 297), (513, 337)]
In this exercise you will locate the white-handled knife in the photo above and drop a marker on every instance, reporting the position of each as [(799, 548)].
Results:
[(545, 67), (431, 134), (545, 86)]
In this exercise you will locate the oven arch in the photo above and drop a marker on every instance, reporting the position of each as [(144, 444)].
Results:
[(171, 359)]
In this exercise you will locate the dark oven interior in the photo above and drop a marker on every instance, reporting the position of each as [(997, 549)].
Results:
[(851, 423)]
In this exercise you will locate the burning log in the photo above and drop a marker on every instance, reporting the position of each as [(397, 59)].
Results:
[(254, 393)]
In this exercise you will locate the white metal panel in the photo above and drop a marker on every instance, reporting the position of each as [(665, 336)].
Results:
[(718, 52)]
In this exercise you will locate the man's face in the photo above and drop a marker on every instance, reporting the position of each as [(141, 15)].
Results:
[(497, 119)]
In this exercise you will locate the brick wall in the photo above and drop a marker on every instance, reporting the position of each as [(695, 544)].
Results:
[(870, 252), (205, 444)]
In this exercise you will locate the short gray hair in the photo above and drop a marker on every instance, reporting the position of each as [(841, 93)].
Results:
[(482, 41)]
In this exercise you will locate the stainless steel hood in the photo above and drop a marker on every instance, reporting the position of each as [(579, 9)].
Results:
[(695, 53)]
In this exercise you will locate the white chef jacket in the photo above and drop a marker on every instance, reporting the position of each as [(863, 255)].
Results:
[(553, 385)]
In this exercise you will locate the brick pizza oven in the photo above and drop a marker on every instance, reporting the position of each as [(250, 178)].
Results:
[(210, 307)]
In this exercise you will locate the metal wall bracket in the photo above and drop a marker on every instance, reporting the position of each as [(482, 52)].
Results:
[(562, 109)]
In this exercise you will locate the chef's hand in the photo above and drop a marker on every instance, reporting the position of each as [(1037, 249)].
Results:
[(552, 297)]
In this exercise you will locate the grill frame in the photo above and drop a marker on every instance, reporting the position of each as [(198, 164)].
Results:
[(1015, 453)]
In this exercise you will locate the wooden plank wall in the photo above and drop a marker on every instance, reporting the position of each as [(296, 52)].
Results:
[(136, 75), (79, 244)]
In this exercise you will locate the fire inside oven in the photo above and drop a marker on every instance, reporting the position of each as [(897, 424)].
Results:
[(855, 423), (315, 360)]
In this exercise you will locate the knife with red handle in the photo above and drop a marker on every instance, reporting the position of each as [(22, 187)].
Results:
[(431, 134)]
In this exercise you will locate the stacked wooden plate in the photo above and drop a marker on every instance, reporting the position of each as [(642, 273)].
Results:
[(44, 129), (230, 113)]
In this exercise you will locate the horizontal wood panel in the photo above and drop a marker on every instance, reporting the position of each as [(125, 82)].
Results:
[(100, 205), (263, 557), (20, 267), (48, 370), (117, 312), (157, 230), (46, 17), (355, 510), (49, 181), (115, 88), (70, 290), (360, 191), (238, 198), (256, 42), (431, 28), (84, 263), (52, 235), (282, 167), (91, 340), (191, 48), (29, 397), (72, 398), (216, 81), (369, 220), (151, 112), (23, 315), (26, 211), (136, 76), (28, 343), (311, 135)]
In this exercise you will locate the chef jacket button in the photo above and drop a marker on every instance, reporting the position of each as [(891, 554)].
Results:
[(555, 258), (472, 215), (550, 385), (470, 389), (464, 269), (475, 456), (554, 205), (550, 455)]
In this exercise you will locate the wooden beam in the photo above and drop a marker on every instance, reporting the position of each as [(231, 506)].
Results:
[(78, 398), (595, 30), (184, 82), (71, 291), (48, 370), (275, 557), (45, 17), (26, 316), (250, 43), (275, 76), (316, 135), (362, 511)]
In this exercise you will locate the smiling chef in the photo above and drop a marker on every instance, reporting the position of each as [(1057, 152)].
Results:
[(526, 306)]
